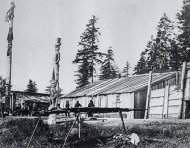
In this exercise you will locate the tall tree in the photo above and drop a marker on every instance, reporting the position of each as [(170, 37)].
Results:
[(141, 66), (107, 69), (159, 53), (175, 56), (88, 55), (31, 87), (184, 37), (125, 72), (156, 56), (2, 87)]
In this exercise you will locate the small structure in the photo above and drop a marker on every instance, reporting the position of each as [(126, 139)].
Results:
[(40, 100)]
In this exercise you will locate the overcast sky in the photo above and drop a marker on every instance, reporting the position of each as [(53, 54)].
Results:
[(126, 25)]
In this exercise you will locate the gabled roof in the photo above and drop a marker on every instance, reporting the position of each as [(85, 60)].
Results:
[(118, 85), (28, 93)]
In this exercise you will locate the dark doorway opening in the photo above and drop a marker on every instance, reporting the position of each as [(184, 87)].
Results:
[(187, 110)]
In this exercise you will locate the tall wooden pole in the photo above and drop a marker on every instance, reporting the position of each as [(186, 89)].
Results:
[(9, 18), (148, 96), (56, 67), (180, 115), (54, 88)]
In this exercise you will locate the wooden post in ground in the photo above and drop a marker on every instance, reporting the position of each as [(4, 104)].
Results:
[(9, 18), (148, 96), (120, 113), (79, 126), (180, 115), (165, 101)]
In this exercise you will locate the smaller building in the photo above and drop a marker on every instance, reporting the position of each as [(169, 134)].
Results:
[(28, 100)]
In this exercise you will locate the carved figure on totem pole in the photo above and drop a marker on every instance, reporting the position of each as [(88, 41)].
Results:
[(53, 94), (10, 13), (54, 88), (57, 58)]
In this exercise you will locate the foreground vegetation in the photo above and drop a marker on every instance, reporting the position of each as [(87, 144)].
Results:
[(17, 133)]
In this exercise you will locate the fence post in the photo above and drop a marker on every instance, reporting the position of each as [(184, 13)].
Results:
[(180, 115), (148, 96)]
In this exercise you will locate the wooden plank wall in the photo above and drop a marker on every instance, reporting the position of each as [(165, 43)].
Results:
[(164, 103)]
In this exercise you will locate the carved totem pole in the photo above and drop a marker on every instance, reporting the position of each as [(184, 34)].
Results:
[(54, 88), (9, 18)]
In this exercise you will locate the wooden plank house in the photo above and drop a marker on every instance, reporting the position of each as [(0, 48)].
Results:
[(125, 92)]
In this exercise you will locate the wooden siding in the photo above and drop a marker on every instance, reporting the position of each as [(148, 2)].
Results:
[(165, 102), (114, 100)]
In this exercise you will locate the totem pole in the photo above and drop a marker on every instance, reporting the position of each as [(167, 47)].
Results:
[(54, 88), (9, 18)]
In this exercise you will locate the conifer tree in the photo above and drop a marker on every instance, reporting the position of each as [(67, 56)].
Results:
[(125, 72), (159, 52), (107, 70), (88, 55), (184, 27), (31, 87), (157, 55), (141, 66)]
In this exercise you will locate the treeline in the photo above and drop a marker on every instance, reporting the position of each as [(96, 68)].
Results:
[(171, 45), (166, 51)]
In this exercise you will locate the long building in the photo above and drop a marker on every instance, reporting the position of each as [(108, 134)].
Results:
[(129, 92)]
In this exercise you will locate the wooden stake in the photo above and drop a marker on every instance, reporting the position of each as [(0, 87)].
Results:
[(165, 101), (120, 113), (180, 115), (148, 96), (79, 127)]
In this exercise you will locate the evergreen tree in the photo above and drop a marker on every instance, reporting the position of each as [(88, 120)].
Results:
[(88, 55), (125, 72), (175, 56), (141, 66), (31, 87), (184, 28), (2, 87), (118, 71), (83, 74), (159, 51), (107, 70)]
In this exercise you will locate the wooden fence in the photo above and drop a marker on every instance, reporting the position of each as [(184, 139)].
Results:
[(165, 103)]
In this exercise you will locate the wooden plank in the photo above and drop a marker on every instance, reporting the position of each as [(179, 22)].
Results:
[(187, 87), (175, 95), (174, 102), (156, 101), (173, 109), (93, 109), (157, 93), (180, 116), (148, 95), (155, 116), (156, 110), (166, 101)]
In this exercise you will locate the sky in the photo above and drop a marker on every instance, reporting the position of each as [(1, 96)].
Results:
[(126, 25)]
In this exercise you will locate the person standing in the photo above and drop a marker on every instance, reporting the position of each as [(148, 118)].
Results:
[(77, 104), (67, 106), (91, 104)]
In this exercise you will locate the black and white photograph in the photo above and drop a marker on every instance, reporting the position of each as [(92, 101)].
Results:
[(94, 73)]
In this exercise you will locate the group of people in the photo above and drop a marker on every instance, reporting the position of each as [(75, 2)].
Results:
[(77, 104)]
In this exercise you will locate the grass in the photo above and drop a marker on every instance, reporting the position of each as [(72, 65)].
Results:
[(166, 134)]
